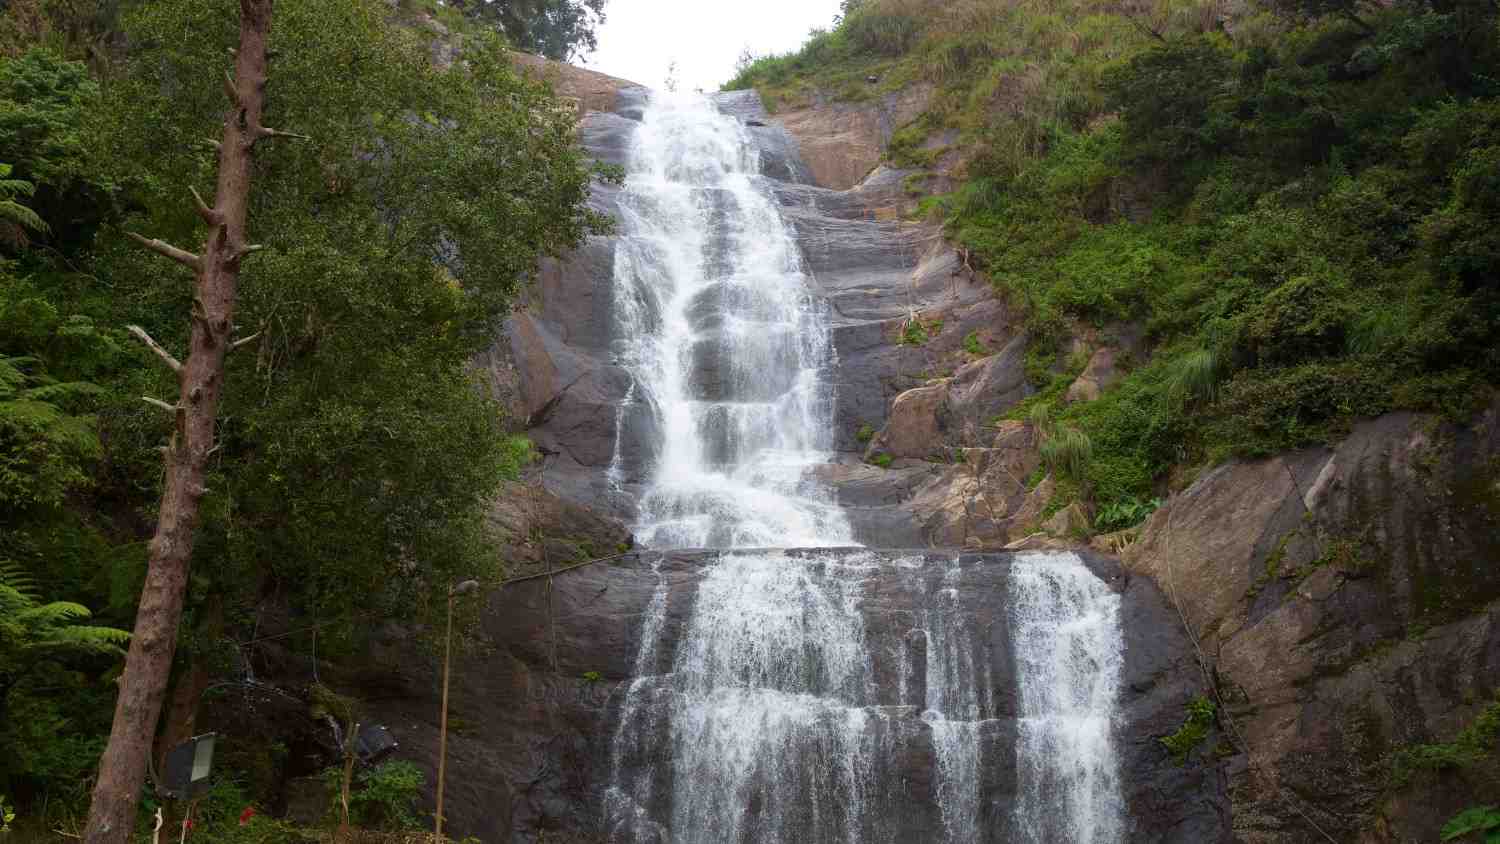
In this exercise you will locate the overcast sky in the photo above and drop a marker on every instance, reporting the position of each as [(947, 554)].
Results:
[(640, 37)]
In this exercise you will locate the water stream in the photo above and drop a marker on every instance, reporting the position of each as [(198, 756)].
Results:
[(838, 695)]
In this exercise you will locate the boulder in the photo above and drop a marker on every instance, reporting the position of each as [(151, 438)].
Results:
[(1099, 375), (1349, 600), (917, 425), (992, 385)]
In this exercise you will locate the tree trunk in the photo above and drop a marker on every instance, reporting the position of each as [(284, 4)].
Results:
[(200, 379)]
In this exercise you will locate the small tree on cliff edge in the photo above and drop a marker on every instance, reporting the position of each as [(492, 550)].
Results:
[(216, 270)]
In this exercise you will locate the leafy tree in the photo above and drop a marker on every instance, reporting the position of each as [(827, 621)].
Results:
[(1171, 99), (557, 29), (41, 124), (354, 454)]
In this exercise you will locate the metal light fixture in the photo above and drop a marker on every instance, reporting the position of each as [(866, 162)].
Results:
[(188, 766), (373, 744), (454, 591)]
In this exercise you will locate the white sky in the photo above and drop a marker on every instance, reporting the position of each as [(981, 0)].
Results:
[(640, 37)]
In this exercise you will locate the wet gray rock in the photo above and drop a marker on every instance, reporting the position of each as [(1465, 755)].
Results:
[(1349, 598), (537, 708)]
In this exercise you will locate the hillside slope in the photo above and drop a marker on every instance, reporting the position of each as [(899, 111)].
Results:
[(1248, 260)]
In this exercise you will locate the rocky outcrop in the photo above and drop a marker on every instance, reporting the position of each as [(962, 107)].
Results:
[(842, 142), (1099, 375), (1349, 599), (535, 707)]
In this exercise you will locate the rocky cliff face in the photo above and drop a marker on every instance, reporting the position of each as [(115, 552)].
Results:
[(1343, 600), (530, 757), (1348, 598)]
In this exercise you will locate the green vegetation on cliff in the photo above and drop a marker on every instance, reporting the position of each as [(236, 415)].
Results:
[(357, 451), (1299, 203)]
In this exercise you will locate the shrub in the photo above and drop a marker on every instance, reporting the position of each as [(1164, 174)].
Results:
[(973, 346), (1067, 451), (1485, 819), (1124, 513), (1194, 729)]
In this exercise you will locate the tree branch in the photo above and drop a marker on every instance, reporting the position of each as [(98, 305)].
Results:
[(170, 408), (166, 356), (243, 251), (244, 341), (209, 215), (160, 247), (265, 132), (230, 92)]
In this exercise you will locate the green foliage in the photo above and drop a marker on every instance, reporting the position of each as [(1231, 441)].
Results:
[(384, 795), (43, 643), (43, 448), (1475, 819), (592, 676), (915, 333), (558, 29), (1194, 729), (13, 212), (865, 433), (1172, 99), (42, 121), (1067, 451), (1124, 513), (357, 448), (882, 460), (973, 346), (1475, 744)]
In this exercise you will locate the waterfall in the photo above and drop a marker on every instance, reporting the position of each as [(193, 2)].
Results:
[(1067, 642), (763, 721), (718, 329)]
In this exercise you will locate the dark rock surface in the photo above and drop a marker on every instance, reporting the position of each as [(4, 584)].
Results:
[(873, 270), (1350, 599), (536, 705)]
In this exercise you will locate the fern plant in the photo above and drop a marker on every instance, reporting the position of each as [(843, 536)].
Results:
[(15, 217), (43, 447), (1475, 820), (32, 631)]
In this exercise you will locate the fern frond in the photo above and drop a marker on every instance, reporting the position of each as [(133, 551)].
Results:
[(13, 601), (17, 187), (18, 580), (22, 216), (83, 639), (57, 612), (55, 393)]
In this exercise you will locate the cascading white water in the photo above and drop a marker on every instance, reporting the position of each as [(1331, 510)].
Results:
[(765, 722), (1068, 650), (719, 331)]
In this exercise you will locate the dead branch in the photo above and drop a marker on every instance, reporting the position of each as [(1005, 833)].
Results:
[(244, 341), (209, 215), (229, 90), (244, 251), (170, 408), (161, 247), (140, 334), (266, 132)]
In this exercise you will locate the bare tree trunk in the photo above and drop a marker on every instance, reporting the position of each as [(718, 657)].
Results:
[(200, 380)]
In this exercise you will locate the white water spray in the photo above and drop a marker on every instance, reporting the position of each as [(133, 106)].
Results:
[(768, 726)]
